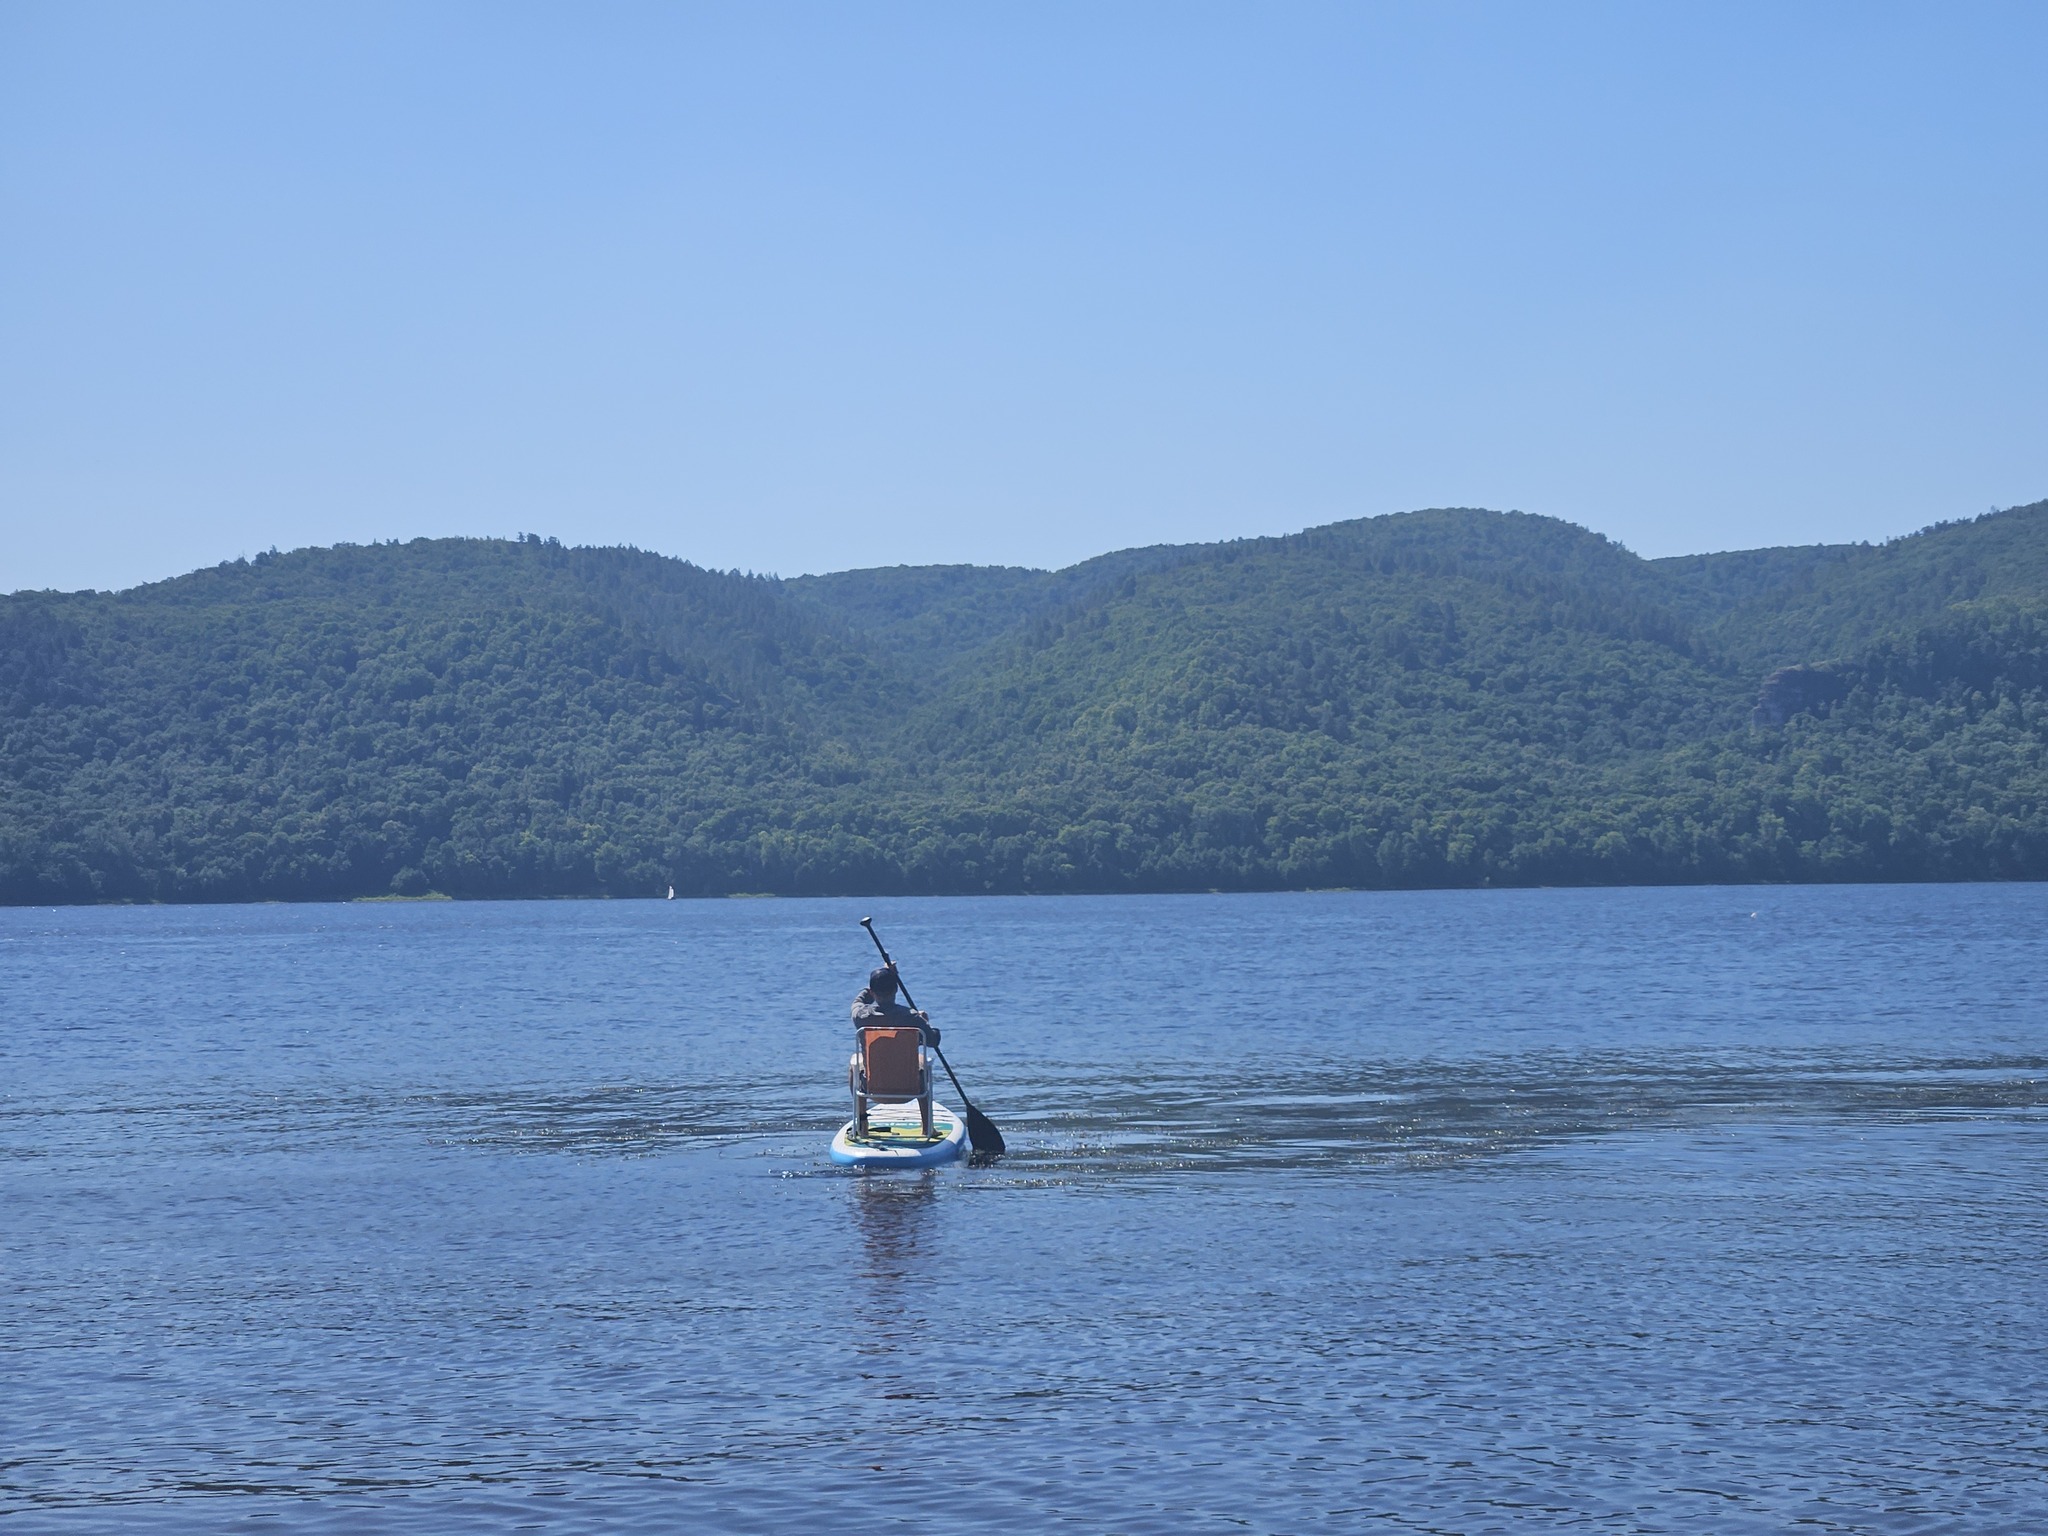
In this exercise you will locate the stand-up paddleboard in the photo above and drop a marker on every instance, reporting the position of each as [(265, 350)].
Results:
[(896, 1138)]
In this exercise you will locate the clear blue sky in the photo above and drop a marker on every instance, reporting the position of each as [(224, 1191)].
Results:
[(795, 288)]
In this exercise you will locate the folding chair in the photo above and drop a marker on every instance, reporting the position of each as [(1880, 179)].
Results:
[(891, 1067)]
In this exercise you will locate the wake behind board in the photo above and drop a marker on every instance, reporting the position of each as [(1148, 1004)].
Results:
[(896, 1138)]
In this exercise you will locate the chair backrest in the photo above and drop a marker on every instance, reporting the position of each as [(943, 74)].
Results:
[(889, 1058)]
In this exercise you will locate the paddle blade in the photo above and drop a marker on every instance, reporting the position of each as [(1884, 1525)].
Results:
[(982, 1134)]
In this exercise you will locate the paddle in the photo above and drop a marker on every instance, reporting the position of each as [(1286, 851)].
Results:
[(982, 1134)]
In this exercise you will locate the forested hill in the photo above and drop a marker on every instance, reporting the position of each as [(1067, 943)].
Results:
[(1447, 697)]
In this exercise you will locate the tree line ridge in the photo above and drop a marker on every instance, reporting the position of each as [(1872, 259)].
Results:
[(1438, 698)]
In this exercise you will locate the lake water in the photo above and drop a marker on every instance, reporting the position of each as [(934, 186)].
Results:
[(1714, 1210)]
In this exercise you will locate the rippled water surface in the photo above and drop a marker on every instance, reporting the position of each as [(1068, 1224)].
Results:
[(1684, 1210)]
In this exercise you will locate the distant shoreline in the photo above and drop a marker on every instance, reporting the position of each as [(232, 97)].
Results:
[(437, 898)]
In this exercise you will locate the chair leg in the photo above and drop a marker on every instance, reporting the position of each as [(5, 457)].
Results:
[(924, 1107)]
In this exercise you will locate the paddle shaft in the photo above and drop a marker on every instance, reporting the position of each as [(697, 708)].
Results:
[(973, 1113)]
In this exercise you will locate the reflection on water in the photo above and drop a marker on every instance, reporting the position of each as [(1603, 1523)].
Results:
[(897, 1216), (1589, 1210)]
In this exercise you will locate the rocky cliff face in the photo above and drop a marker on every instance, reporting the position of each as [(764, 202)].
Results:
[(1790, 691)]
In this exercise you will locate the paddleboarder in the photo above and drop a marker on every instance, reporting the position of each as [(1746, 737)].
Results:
[(876, 1010)]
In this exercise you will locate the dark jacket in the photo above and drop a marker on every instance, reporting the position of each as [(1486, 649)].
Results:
[(867, 1011)]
